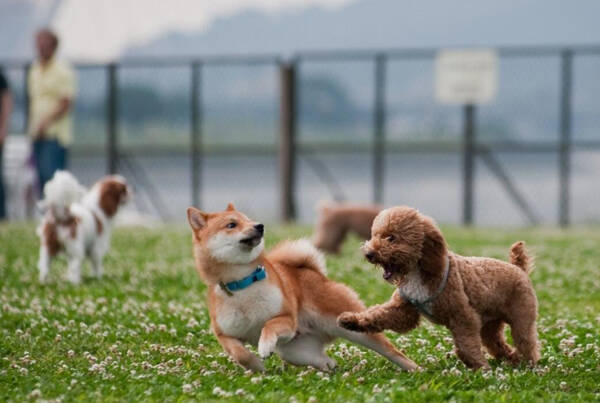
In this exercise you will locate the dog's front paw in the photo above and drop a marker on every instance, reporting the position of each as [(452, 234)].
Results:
[(266, 345), (350, 321)]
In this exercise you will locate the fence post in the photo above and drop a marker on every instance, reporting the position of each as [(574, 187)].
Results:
[(379, 128), (195, 126), (468, 163), (565, 137), (112, 118), (287, 140)]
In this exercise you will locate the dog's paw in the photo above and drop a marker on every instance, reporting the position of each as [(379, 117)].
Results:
[(266, 345), (349, 320), (255, 365)]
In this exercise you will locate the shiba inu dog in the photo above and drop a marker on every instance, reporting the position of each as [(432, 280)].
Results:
[(281, 302)]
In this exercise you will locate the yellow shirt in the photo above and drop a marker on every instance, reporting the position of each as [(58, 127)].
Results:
[(47, 86)]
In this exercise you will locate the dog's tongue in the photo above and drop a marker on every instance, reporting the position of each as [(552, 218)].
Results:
[(387, 274)]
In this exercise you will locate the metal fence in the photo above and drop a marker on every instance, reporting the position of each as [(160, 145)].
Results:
[(279, 134)]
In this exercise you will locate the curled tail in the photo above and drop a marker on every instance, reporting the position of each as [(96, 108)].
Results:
[(519, 257), (59, 193), (300, 253)]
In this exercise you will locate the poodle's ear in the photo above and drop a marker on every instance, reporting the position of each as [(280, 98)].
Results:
[(434, 251)]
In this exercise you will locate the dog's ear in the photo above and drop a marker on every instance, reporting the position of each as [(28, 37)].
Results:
[(433, 252), (230, 207), (196, 218)]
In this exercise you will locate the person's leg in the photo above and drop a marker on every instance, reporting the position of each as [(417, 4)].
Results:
[(60, 157), (2, 201), (40, 156), (50, 156)]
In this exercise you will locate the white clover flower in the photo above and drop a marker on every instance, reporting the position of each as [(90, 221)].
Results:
[(34, 394), (187, 388)]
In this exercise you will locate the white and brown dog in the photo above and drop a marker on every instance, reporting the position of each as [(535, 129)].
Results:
[(78, 222), (281, 302)]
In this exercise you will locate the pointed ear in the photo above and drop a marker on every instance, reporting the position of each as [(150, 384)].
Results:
[(434, 250), (230, 207), (196, 218)]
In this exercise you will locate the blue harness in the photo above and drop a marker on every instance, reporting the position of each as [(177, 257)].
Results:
[(257, 275)]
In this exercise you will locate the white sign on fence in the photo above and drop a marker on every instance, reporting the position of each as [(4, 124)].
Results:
[(466, 76)]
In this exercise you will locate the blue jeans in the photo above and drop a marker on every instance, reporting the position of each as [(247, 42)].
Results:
[(2, 205), (49, 157)]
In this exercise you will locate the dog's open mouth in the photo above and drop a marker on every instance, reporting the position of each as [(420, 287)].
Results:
[(388, 272), (251, 241)]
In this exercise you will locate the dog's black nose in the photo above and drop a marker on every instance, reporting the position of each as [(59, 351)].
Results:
[(369, 255), (260, 228)]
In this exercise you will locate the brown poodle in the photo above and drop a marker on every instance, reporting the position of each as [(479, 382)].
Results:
[(337, 219), (472, 296)]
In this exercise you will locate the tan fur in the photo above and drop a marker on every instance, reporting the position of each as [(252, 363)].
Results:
[(50, 237), (303, 286), (99, 226), (336, 220), (112, 192), (481, 295)]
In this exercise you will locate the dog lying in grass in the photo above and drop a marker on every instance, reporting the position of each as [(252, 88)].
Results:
[(474, 297), (78, 222), (336, 220), (281, 302)]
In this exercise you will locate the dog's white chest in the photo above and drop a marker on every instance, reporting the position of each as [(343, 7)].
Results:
[(244, 314), (414, 288)]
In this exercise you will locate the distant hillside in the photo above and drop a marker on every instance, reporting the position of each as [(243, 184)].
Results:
[(391, 23)]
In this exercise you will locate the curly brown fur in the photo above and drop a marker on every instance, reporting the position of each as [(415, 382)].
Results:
[(336, 220), (480, 297)]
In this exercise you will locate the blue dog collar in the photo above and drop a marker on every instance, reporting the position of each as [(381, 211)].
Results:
[(256, 276)]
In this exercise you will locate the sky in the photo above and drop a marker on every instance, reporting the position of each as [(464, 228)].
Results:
[(106, 30), (97, 32)]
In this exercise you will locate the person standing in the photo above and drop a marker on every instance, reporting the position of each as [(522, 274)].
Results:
[(51, 86), (5, 110)]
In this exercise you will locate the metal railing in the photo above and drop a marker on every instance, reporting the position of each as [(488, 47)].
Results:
[(290, 149)]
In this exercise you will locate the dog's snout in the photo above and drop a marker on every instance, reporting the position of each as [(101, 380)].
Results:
[(260, 228), (370, 255)]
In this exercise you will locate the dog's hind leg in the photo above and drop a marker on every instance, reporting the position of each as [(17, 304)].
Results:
[(306, 349), (525, 337), (492, 336), (44, 263), (96, 258)]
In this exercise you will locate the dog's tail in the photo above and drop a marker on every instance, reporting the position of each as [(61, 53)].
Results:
[(520, 258), (59, 193), (301, 254)]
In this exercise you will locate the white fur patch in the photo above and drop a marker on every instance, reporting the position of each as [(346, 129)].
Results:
[(414, 288), (303, 246), (60, 192), (244, 314), (226, 248)]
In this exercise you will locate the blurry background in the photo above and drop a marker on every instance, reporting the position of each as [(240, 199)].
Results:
[(153, 76)]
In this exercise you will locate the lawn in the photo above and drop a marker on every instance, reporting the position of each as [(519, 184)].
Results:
[(142, 332)]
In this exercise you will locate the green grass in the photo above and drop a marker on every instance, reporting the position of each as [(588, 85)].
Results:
[(141, 333)]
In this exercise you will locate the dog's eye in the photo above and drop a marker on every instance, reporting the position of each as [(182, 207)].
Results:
[(231, 225), (390, 238)]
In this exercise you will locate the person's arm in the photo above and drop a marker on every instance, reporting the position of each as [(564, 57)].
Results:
[(6, 105), (62, 108)]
